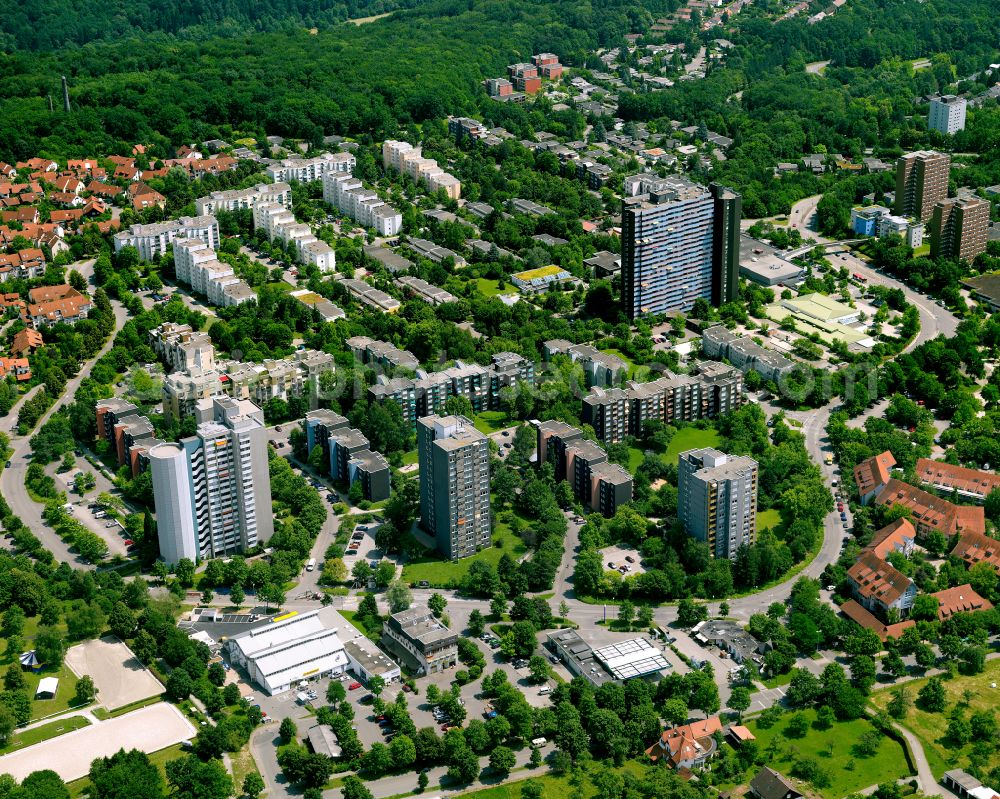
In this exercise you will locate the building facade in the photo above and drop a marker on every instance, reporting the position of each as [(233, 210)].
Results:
[(921, 183), (717, 499), (213, 491), (454, 484), (418, 638), (680, 242), (959, 228), (947, 114)]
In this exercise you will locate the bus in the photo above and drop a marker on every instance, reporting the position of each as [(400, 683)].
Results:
[(311, 564)]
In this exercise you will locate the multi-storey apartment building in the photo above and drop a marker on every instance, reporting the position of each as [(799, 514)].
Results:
[(197, 264), (717, 499), (600, 485), (212, 491), (947, 114), (306, 170), (381, 353), (407, 159), (277, 220), (454, 484), (240, 199), (183, 349), (599, 368), (680, 242), (607, 411), (153, 240), (921, 183), (959, 228), (348, 195), (400, 390)]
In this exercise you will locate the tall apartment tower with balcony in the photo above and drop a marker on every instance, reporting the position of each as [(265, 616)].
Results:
[(959, 228), (213, 490), (454, 484), (947, 114), (921, 183), (717, 499), (680, 241)]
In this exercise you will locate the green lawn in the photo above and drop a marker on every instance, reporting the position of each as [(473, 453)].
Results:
[(43, 733), (491, 288), (768, 518), (834, 750), (410, 457), (487, 422), (942, 753), (444, 573), (40, 708), (557, 787), (635, 458), (690, 438), (351, 616)]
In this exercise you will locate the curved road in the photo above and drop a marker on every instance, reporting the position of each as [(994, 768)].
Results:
[(12, 479)]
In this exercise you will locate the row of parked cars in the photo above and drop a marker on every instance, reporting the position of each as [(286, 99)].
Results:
[(490, 640)]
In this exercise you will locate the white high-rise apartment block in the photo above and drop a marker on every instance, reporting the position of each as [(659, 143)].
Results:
[(305, 170), (238, 199), (348, 195), (947, 114), (213, 491), (153, 240)]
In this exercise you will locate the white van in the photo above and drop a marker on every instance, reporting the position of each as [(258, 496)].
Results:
[(538, 743), (311, 564), (545, 689)]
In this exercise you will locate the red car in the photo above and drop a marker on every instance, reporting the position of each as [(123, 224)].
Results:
[(129, 542), (353, 686)]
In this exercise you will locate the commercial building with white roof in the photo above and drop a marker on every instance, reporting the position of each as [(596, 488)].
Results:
[(636, 657), (297, 647)]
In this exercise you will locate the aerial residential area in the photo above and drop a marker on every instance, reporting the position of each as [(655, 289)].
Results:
[(506, 401)]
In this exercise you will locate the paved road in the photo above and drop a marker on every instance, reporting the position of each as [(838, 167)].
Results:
[(12, 479)]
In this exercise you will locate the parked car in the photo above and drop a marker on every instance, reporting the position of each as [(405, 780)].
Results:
[(424, 584), (353, 686), (129, 542), (630, 559)]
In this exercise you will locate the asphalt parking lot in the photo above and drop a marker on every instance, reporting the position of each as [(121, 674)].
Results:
[(617, 558)]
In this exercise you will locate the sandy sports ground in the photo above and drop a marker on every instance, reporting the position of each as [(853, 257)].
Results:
[(148, 729), (119, 676)]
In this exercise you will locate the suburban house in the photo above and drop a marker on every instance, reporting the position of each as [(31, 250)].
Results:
[(966, 483), (770, 784), (50, 305), (865, 618), (879, 586), (25, 341), (929, 512), (688, 746), (960, 599), (974, 548), (871, 475), (896, 537)]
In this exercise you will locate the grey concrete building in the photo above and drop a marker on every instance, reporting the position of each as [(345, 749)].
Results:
[(419, 639), (454, 484), (717, 499)]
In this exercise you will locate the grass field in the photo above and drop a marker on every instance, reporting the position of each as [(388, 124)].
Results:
[(43, 732), (834, 750), (491, 288), (487, 422), (690, 438), (442, 573), (410, 457), (684, 439), (943, 754), (768, 518), (557, 787)]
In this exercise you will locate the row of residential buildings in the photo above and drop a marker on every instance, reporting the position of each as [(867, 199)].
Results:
[(882, 596), (745, 353), (408, 160), (347, 454), (596, 482), (426, 393), (615, 413), (279, 223), (524, 78), (154, 239), (348, 195), (198, 265), (197, 376)]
